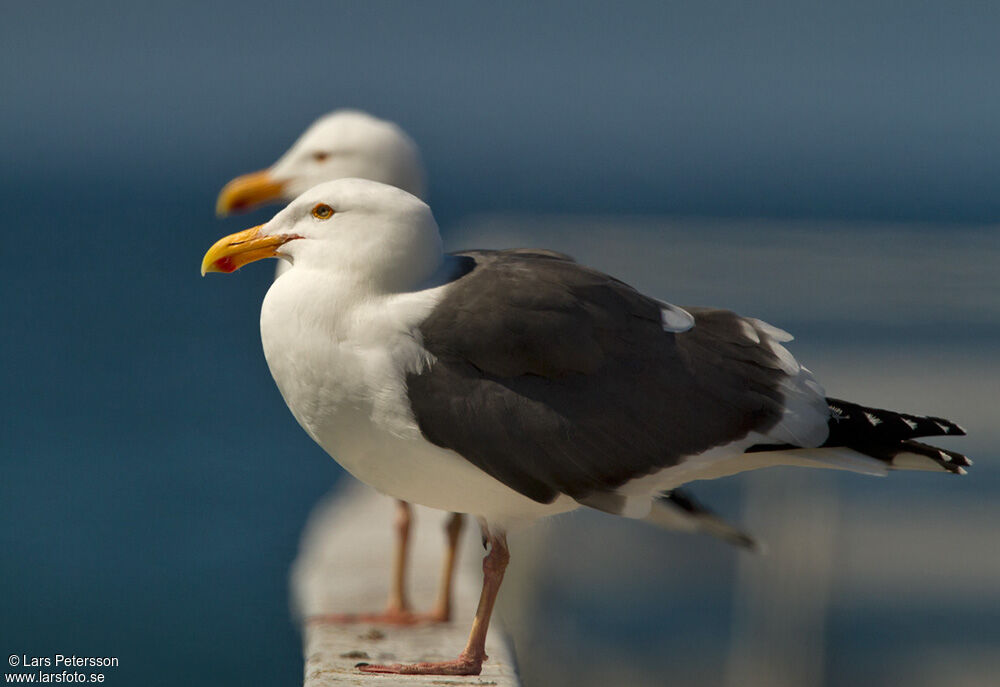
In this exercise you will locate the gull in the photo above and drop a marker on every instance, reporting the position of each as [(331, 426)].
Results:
[(351, 143), (518, 384)]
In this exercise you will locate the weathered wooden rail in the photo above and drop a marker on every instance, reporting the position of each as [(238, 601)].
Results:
[(344, 566)]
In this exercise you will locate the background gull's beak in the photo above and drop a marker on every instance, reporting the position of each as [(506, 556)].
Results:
[(247, 192)]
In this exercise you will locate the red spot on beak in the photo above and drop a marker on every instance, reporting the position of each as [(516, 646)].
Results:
[(225, 264)]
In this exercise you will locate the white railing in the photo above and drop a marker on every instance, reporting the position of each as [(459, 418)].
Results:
[(344, 566)]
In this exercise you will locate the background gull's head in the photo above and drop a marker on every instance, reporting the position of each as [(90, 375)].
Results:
[(344, 143)]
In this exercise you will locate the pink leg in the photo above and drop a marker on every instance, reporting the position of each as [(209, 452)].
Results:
[(397, 610), (398, 605), (442, 607), (470, 661)]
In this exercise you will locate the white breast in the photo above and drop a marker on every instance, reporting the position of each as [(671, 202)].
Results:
[(340, 363)]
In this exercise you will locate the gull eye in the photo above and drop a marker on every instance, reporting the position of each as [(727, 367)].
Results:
[(320, 156), (322, 211)]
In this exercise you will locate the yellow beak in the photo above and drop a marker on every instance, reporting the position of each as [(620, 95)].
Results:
[(247, 192), (230, 253)]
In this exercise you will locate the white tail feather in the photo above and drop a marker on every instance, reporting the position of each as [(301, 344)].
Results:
[(915, 461)]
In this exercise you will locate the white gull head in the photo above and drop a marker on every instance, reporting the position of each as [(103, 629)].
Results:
[(342, 144), (350, 143), (360, 232)]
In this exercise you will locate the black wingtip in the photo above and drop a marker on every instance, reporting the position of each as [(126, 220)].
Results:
[(851, 423), (948, 428), (952, 461)]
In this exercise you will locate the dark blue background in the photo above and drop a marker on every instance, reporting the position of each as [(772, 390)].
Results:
[(153, 485), (859, 109)]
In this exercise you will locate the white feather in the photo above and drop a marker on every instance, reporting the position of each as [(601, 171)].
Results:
[(675, 319), (748, 331), (770, 331)]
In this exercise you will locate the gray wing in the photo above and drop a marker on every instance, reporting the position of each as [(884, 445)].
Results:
[(557, 379)]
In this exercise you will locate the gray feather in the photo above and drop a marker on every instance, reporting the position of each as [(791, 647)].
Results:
[(555, 378)]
